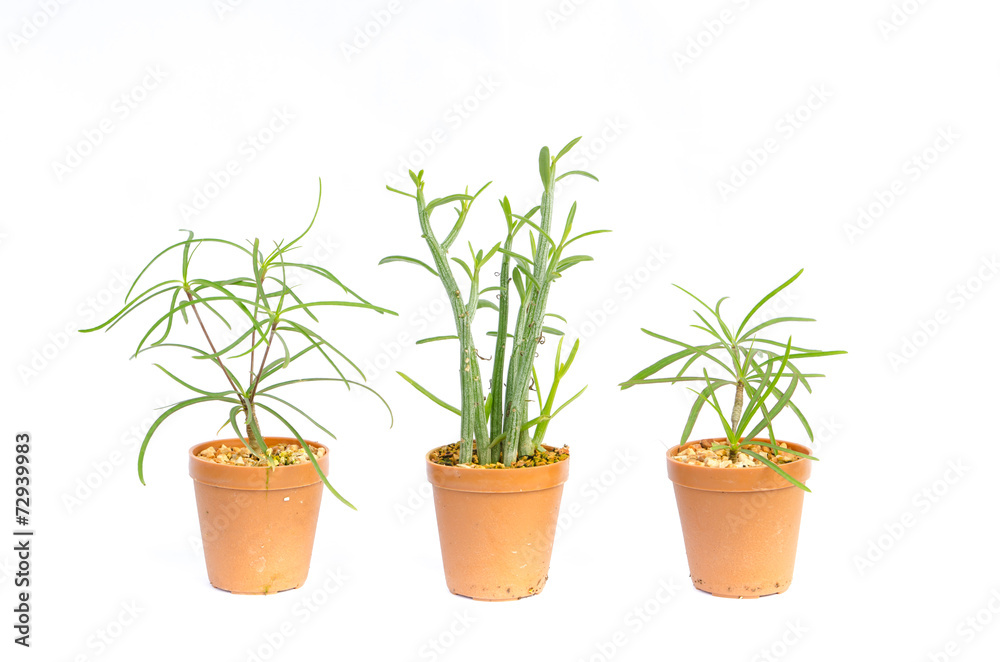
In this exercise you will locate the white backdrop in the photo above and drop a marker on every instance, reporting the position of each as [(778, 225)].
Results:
[(735, 141)]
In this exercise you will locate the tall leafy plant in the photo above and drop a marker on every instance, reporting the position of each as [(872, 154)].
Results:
[(760, 369), (272, 325), (498, 425)]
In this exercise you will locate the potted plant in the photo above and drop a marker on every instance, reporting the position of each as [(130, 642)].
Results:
[(497, 489), (258, 496), (739, 496)]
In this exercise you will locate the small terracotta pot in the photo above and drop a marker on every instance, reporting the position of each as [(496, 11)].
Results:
[(497, 527), (741, 526), (257, 529)]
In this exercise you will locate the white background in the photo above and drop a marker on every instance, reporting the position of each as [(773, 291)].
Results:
[(662, 133)]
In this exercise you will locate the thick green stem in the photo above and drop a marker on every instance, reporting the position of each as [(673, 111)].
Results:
[(251, 413), (473, 422), (737, 413), (526, 338), (499, 355)]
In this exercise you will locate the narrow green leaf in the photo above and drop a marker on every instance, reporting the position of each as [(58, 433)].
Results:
[(431, 396), (577, 172), (767, 298), (784, 474), (568, 147), (312, 457), (770, 322), (435, 339), (395, 190), (437, 202), (699, 401), (568, 262), (464, 266), (544, 167), (411, 260), (165, 415)]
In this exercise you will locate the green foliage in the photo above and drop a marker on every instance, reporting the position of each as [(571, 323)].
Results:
[(500, 424), (264, 301), (747, 362)]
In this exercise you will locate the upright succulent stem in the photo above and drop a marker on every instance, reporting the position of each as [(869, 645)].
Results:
[(526, 337), (737, 413), (473, 422), (532, 274), (499, 355)]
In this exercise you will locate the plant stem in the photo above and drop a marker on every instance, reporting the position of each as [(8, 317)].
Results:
[(263, 362), (212, 346), (737, 413), (527, 334), (247, 402), (473, 422), (499, 356)]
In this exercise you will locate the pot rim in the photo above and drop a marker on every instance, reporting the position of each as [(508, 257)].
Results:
[(255, 478), (733, 479), (497, 481)]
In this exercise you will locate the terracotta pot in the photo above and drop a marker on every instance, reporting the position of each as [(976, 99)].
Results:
[(741, 526), (257, 529), (497, 527)]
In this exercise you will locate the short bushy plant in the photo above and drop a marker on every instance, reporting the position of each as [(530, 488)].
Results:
[(499, 425), (755, 366), (265, 303)]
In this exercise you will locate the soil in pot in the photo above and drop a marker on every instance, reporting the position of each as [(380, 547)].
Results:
[(258, 524), (497, 524), (740, 520)]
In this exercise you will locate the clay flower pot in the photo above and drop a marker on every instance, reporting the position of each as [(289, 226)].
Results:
[(741, 526), (257, 529), (497, 527)]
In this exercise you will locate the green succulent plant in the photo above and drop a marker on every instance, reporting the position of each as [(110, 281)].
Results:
[(762, 370), (499, 425), (264, 301)]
